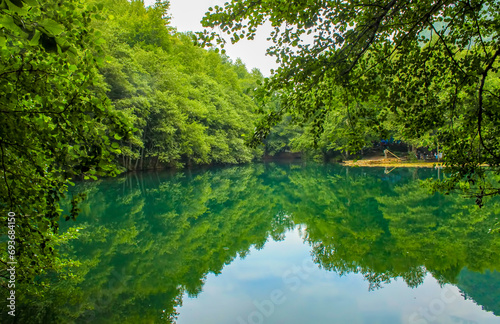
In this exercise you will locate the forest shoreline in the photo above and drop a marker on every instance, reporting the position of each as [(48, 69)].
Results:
[(391, 163)]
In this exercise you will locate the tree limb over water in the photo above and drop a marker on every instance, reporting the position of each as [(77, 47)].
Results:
[(424, 72)]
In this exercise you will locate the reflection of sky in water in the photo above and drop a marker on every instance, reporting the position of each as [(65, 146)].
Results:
[(303, 293)]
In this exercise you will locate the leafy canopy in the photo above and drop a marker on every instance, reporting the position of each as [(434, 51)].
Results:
[(425, 70), (89, 86), (189, 105), (54, 124)]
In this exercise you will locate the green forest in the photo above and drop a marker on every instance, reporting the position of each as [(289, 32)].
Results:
[(93, 89), (96, 88)]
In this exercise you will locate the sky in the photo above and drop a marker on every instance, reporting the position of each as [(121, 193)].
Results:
[(186, 16)]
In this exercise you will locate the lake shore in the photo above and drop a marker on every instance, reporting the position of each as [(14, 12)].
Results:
[(395, 163)]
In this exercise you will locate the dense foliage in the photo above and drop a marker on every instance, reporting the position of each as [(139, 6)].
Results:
[(425, 72), (54, 124), (189, 105), (91, 88)]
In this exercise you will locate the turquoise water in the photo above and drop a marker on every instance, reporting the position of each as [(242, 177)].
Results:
[(278, 243)]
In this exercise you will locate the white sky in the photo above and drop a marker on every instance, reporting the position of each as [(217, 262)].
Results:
[(186, 16)]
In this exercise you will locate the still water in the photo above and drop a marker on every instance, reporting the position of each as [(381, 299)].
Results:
[(279, 243)]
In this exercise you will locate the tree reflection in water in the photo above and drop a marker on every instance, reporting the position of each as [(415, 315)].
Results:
[(146, 239)]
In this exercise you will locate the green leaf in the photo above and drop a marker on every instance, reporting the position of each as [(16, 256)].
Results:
[(8, 23), (35, 39), (32, 3), (52, 26), (17, 6), (63, 44), (72, 50)]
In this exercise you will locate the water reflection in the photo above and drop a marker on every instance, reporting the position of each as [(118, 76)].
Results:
[(482, 288), (149, 239), (281, 284)]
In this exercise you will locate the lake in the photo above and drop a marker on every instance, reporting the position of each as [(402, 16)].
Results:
[(276, 243)]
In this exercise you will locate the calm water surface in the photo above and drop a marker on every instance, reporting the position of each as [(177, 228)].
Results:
[(278, 243)]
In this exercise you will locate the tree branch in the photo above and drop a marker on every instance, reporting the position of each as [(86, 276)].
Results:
[(480, 103)]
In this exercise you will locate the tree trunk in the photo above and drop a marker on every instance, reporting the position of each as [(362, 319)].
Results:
[(129, 165), (141, 165), (156, 162)]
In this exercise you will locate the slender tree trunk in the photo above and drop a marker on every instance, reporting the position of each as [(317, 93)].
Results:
[(129, 166), (142, 159), (156, 162), (142, 150)]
